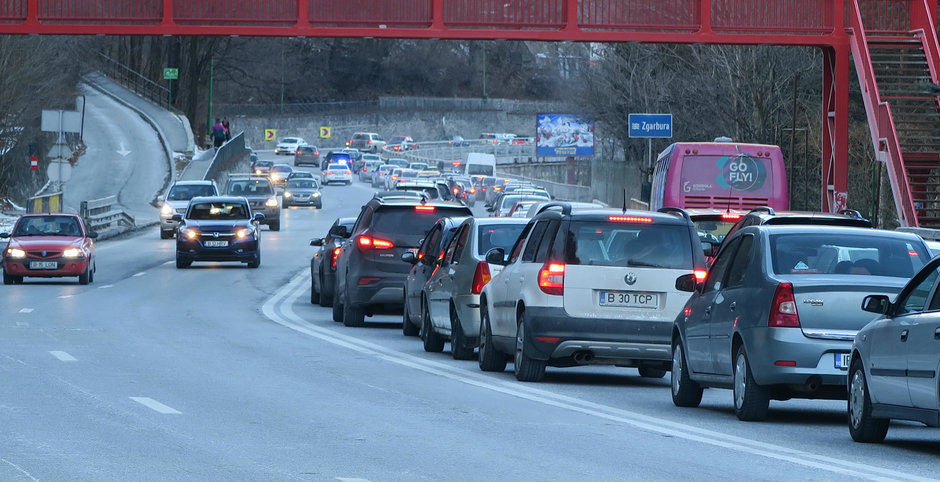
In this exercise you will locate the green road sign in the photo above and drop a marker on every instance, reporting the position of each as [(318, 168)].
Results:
[(170, 73)]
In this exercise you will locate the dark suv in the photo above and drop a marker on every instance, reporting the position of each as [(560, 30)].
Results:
[(261, 196), (370, 276)]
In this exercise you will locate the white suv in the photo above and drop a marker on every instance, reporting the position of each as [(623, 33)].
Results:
[(176, 200), (366, 142), (289, 145), (588, 287)]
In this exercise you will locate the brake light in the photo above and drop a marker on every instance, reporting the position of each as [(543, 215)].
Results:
[(394, 177), (300, 153), (700, 275), (480, 277), (497, 188), (456, 190), (365, 169), (329, 172), (365, 280), (552, 279), (630, 219), (335, 255), (783, 308), (365, 242), (427, 209), (317, 153), (730, 216), (473, 190)]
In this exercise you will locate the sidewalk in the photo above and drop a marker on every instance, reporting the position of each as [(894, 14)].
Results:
[(175, 128)]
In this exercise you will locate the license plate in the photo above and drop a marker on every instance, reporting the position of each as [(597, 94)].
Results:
[(43, 265), (842, 360), (216, 244), (628, 299)]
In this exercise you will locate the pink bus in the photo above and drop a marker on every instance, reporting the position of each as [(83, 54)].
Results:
[(722, 175)]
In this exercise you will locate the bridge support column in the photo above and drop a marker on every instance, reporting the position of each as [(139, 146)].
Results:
[(835, 142)]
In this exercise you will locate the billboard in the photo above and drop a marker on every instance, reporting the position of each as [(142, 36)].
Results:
[(564, 135)]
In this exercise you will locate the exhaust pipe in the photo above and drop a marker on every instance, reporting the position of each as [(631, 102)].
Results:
[(583, 356)]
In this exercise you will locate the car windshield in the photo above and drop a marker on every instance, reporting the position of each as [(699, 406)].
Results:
[(48, 226), (302, 184), (713, 230), (184, 192), (844, 253), (498, 236), (300, 174), (396, 140), (282, 169), (510, 201), (250, 187), (218, 210), (290, 140), (408, 221), (609, 243), (264, 163)]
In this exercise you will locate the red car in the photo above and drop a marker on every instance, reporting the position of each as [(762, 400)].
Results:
[(49, 246)]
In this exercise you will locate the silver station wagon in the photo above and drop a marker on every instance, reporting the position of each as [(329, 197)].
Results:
[(777, 314)]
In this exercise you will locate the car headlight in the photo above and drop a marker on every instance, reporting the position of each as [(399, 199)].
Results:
[(257, 171), (72, 253), (190, 233), (287, 194), (316, 194), (166, 210), (275, 177), (244, 233), (16, 253), (271, 203)]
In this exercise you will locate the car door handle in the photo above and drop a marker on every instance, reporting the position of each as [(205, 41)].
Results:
[(904, 335), (708, 310), (936, 334), (733, 306)]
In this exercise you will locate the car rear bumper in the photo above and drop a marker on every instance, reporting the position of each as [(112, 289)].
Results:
[(389, 290), (553, 334), (770, 351)]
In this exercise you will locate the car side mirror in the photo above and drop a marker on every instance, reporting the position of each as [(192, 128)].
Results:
[(496, 256), (709, 248), (259, 217), (4, 235), (161, 199), (339, 231), (90, 234), (177, 217), (686, 283), (409, 257), (876, 304), (316, 242)]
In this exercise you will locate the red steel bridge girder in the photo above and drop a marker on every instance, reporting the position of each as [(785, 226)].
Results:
[(819, 23)]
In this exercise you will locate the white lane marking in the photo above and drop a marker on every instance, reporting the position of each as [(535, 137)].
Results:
[(172, 261), (155, 405), (139, 274), (63, 356), (65, 296), (352, 479), (105, 287), (22, 323), (26, 310), (17, 467), (279, 309)]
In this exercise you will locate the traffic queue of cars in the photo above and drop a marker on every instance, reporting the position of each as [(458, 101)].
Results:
[(784, 312)]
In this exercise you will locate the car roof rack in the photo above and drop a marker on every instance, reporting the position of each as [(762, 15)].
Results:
[(675, 210), (765, 209), (565, 207), (852, 213)]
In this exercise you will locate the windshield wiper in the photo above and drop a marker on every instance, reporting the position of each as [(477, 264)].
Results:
[(633, 262)]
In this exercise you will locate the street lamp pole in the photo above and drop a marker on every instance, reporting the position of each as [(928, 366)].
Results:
[(484, 71)]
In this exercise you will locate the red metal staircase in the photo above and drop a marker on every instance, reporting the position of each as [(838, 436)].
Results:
[(897, 57)]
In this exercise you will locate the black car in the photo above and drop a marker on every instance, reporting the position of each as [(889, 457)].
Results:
[(425, 261), (307, 154), (323, 262), (336, 157), (370, 276), (218, 228)]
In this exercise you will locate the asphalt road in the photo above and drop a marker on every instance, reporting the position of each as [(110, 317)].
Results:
[(219, 372)]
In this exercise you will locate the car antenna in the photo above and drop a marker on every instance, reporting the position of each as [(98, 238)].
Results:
[(624, 200)]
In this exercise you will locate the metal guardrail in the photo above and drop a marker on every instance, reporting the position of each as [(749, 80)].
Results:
[(106, 214), (136, 82), (558, 190)]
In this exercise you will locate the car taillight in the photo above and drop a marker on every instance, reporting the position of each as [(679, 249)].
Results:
[(783, 308), (552, 279), (456, 190), (497, 188), (365, 169), (480, 277), (316, 153), (630, 219), (366, 242), (336, 251), (299, 153), (426, 209), (329, 172), (473, 190)]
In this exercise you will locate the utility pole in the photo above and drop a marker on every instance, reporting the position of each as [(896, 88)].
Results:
[(209, 114)]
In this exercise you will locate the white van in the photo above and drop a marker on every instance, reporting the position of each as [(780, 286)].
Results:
[(479, 164)]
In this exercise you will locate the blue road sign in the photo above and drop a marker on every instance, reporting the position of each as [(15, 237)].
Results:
[(651, 125)]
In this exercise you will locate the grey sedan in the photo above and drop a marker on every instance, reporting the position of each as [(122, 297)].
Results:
[(302, 192), (776, 317), (896, 359)]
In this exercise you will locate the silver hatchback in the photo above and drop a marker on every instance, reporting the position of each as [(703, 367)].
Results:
[(777, 314)]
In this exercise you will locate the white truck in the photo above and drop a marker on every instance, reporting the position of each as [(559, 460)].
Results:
[(479, 164)]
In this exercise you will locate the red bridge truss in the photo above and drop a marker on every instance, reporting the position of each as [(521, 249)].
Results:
[(893, 41)]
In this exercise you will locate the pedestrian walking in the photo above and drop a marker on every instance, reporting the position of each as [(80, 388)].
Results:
[(228, 130), (218, 134)]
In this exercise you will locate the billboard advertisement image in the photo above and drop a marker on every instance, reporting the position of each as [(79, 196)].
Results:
[(564, 135)]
